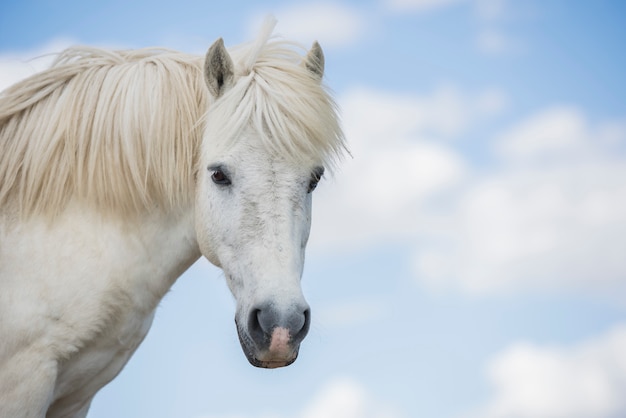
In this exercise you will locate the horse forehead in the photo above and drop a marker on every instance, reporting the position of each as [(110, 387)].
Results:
[(251, 152), (276, 186), (271, 186), (271, 170)]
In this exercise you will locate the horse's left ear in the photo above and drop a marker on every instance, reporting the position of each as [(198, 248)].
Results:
[(314, 61), (219, 69)]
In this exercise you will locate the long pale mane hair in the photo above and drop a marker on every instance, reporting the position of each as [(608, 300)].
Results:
[(121, 130)]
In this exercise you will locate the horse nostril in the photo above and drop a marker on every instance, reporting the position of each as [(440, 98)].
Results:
[(254, 325), (304, 329)]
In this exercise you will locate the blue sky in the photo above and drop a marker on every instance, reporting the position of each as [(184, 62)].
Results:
[(469, 261)]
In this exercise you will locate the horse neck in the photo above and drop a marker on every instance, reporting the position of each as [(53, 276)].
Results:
[(170, 247), (138, 259)]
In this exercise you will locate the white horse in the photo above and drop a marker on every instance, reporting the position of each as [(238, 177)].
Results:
[(118, 170)]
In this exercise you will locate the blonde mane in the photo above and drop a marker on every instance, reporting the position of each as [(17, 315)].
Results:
[(287, 107), (121, 130)]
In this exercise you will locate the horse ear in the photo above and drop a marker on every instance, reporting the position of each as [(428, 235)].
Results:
[(218, 69), (314, 61)]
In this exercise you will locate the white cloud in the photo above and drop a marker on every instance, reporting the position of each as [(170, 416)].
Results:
[(549, 215), (332, 24), (557, 132), (377, 194), (15, 66), (402, 161), (587, 380), (341, 397), (346, 398), (553, 216)]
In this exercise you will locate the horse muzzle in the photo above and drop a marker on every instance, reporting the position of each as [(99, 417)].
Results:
[(271, 337)]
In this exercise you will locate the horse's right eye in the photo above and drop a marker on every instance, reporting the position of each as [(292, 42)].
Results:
[(219, 177)]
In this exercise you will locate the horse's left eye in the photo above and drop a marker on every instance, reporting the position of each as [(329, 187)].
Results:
[(219, 177), (316, 176)]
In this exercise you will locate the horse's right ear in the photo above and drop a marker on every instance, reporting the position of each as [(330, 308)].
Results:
[(218, 69)]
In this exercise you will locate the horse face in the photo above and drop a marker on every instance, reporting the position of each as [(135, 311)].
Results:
[(253, 216), (253, 202)]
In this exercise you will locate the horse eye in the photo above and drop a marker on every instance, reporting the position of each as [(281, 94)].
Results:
[(316, 176), (219, 177)]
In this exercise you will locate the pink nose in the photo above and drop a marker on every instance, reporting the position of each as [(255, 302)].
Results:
[(279, 342)]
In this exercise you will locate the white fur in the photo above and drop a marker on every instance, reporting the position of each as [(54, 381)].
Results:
[(77, 298), (95, 229), (268, 199)]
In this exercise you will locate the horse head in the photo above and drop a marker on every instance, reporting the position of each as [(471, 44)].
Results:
[(270, 131)]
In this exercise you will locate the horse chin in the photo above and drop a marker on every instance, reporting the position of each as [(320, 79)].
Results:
[(271, 364)]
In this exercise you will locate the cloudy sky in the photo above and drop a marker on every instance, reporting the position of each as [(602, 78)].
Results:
[(468, 261)]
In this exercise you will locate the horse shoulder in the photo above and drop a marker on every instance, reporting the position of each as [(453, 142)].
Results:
[(78, 295)]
